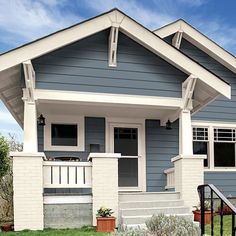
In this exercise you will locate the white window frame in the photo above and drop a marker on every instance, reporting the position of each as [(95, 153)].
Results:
[(111, 123), (211, 126), (65, 120), (205, 141)]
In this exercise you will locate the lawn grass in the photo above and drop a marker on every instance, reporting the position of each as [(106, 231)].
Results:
[(226, 226), (57, 232)]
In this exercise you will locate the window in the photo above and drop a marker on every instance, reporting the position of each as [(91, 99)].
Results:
[(200, 143), (218, 143), (126, 141), (64, 133), (224, 147)]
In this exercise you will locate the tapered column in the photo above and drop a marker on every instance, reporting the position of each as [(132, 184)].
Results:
[(30, 127), (189, 169)]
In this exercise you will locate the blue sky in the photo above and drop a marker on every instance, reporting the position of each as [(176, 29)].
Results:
[(22, 21)]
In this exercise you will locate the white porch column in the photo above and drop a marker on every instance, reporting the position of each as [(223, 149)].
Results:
[(104, 182), (28, 190), (189, 169), (185, 133), (30, 127)]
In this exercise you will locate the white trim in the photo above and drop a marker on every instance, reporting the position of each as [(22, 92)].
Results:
[(176, 40), (102, 155), (200, 41), (108, 98), (112, 122), (52, 200), (113, 41), (27, 154), (29, 74), (64, 119)]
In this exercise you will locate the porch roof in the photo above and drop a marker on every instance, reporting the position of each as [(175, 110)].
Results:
[(11, 72)]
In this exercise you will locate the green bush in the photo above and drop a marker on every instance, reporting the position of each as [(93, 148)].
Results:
[(4, 157), (131, 232), (162, 225)]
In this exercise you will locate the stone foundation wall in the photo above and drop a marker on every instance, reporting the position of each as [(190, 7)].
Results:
[(67, 215)]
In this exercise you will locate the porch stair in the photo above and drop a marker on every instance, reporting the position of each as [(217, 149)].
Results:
[(136, 208)]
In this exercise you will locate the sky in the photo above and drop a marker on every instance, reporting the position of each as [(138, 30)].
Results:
[(22, 21)]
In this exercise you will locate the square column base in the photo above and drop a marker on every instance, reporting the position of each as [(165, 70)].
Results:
[(189, 174)]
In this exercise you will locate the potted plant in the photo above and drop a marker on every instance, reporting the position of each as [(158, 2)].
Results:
[(207, 215), (226, 210), (105, 221)]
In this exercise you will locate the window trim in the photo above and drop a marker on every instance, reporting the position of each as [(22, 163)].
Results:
[(211, 126), (65, 120)]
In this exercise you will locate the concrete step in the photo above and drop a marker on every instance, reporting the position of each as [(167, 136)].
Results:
[(149, 204), (141, 219), (148, 196), (154, 211)]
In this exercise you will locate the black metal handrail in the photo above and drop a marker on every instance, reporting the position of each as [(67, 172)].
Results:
[(223, 200)]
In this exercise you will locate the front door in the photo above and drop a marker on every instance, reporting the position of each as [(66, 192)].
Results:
[(126, 139)]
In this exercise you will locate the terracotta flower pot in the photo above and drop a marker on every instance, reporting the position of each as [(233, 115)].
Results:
[(207, 218), (106, 224), (7, 228)]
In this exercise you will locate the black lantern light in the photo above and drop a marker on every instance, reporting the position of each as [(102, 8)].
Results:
[(41, 120), (168, 125)]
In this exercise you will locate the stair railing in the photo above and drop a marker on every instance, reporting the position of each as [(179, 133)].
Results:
[(211, 189)]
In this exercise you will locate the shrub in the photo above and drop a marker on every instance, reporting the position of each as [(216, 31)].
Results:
[(4, 157), (131, 232), (162, 225)]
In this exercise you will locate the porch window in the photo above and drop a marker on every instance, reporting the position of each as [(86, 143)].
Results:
[(201, 143), (64, 135)]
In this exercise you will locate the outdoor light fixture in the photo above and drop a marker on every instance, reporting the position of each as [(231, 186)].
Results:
[(168, 125), (41, 120)]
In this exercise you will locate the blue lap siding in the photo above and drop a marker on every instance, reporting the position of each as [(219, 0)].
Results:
[(83, 66), (161, 146)]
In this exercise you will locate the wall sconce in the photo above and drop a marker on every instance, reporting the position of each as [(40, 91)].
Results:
[(41, 120), (168, 125)]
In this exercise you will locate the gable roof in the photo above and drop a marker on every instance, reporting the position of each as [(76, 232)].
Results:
[(199, 40), (11, 60)]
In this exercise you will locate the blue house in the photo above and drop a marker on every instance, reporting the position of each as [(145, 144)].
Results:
[(117, 115)]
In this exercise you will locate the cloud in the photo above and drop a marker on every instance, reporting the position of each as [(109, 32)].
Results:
[(193, 3), (25, 20), (151, 18)]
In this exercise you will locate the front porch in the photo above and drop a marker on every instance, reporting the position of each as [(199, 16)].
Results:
[(118, 143)]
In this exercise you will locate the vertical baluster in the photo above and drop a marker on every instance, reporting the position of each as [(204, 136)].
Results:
[(233, 223), (212, 214), (221, 217), (202, 201)]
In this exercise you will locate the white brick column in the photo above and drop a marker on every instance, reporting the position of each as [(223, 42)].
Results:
[(189, 172), (189, 168), (104, 182), (28, 190)]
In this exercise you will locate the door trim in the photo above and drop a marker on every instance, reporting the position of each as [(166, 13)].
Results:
[(112, 122)]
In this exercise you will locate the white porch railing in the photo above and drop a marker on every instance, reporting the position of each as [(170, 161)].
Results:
[(170, 176), (64, 174)]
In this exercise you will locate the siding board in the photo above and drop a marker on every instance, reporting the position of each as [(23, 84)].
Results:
[(161, 146), (83, 66)]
